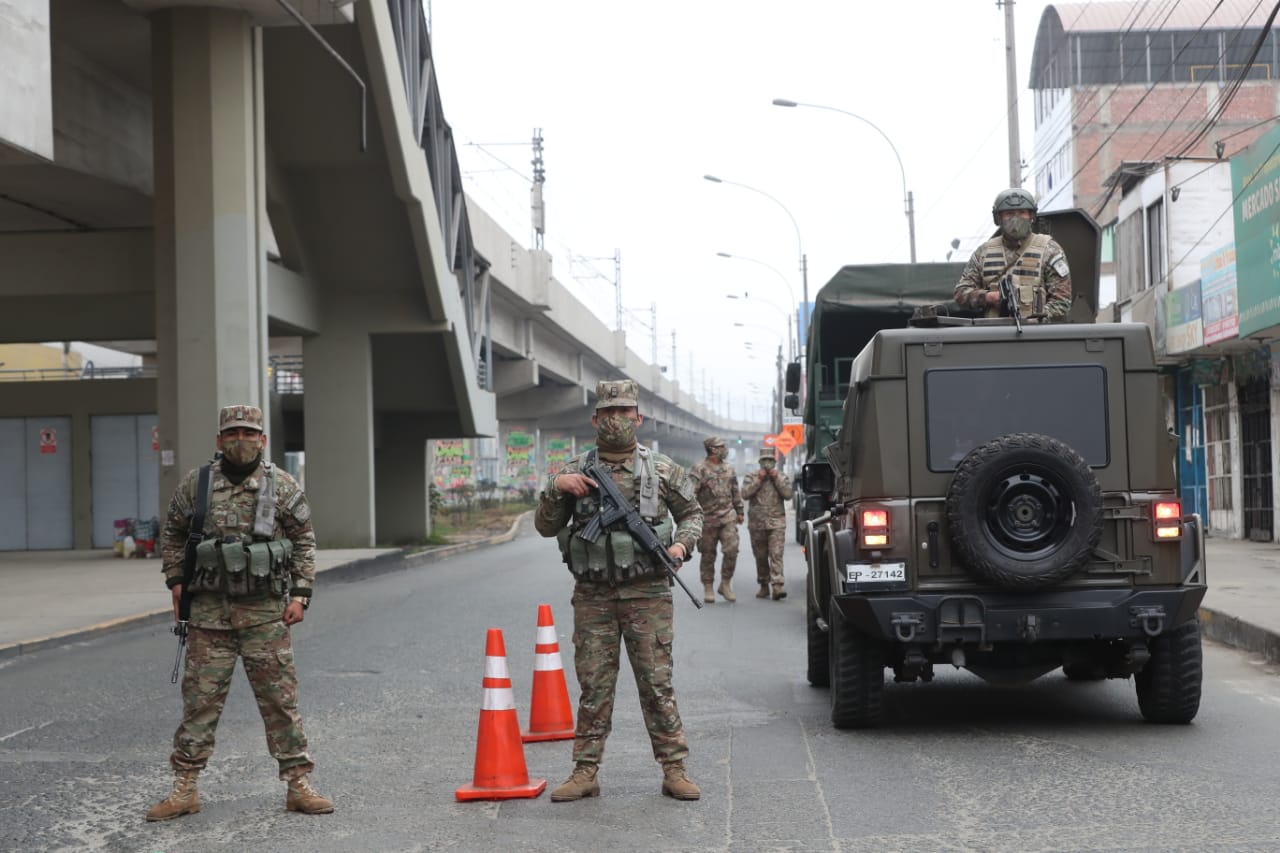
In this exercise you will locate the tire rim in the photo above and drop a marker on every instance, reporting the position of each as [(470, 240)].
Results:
[(1028, 514)]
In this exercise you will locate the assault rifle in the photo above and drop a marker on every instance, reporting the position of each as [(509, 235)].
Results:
[(1009, 302), (614, 507), (194, 536)]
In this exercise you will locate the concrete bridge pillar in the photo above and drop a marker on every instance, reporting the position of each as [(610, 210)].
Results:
[(338, 408), (209, 218), (402, 472)]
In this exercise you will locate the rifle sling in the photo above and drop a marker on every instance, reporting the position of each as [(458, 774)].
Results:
[(194, 536)]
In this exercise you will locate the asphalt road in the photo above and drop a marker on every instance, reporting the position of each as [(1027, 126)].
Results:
[(391, 672)]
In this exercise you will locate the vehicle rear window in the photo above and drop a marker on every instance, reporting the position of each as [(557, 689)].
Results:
[(967, 407)]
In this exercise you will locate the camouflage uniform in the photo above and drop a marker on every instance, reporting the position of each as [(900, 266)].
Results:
[(1039, 270), (716, 486), (223, 628), (767, 520), (637, 610)]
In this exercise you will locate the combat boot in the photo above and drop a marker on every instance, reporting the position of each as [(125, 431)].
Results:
[(184, 799), (778, 592), (726, 591), (763, 592), (581, 783), (306, 799), (708, 594), (677, 784)]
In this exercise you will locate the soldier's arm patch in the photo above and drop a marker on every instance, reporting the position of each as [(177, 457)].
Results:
[(299, 508), (1059, 265)]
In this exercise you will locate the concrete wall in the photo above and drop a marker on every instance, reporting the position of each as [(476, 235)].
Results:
[(26, 84)]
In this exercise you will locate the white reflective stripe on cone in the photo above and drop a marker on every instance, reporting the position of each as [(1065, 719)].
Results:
[(542, 663), (496, 668), (546, 635), (498, 699)]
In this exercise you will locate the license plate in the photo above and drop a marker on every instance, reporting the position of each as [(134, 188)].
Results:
[(873, 573)]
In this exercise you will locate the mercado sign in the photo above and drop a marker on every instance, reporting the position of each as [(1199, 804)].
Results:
[(1255, 185)]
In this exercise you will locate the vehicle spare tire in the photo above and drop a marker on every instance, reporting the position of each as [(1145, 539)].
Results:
[(1024, 511)]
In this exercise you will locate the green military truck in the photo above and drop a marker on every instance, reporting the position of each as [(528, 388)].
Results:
[(1002, 497), (856, 303)]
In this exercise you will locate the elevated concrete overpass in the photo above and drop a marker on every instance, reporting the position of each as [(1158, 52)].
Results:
[(210, 185)]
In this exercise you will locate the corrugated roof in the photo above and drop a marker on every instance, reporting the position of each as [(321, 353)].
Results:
[(1148, 16)]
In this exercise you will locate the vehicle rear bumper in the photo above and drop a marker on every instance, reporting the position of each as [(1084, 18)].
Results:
[(988, 617)]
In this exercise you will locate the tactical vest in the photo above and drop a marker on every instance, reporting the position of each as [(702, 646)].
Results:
[(1025, 272), (616, 557), (253, 564)]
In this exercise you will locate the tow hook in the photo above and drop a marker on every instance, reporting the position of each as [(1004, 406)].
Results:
[(1150, 618), (906, 626), (1029, 627)]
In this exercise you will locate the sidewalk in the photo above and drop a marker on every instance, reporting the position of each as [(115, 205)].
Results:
[(51, 598)]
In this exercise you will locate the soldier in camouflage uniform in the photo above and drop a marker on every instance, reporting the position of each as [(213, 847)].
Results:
[(767, 491), (1035, 263), (252, 579), (716, 485), (620, 592)]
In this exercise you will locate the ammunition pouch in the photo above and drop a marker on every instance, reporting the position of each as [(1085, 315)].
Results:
[(615, 557), (239, 569)]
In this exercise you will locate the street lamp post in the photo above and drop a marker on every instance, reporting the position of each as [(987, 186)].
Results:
[(778, 390), (776, 272), (791, 350), (804, 261), (907, 198)]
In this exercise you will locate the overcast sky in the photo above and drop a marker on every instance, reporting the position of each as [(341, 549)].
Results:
[(637, 101)]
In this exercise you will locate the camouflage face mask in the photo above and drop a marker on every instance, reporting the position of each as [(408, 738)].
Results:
[(241, 451), (722, 453), (1016, 228), (767, 463), (617, 431)]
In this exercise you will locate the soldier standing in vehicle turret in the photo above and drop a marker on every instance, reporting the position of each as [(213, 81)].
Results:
[(621, 592), (716, 485), (1035, 263)]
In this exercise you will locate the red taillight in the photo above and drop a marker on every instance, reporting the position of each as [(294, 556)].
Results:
[(1166, 520), (875, 528)]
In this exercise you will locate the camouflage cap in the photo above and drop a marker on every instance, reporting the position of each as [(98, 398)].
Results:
[(768, 453), (240, 415), (713, 441), (617, 392)]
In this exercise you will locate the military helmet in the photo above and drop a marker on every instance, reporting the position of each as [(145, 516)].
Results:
[(1013, 198)]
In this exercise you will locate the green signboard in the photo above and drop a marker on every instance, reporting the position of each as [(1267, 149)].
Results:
[(1255, 184)]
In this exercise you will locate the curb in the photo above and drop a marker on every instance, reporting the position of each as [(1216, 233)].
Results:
[(1234, 632), (404, 560)]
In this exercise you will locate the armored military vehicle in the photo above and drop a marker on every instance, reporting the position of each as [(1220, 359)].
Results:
[(1001, 496), (857, 302)]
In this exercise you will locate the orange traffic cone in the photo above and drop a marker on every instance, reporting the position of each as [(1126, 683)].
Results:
[(500, 769), (550, 715)]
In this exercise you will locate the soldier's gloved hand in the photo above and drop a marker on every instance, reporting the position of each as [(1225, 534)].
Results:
[(678, 552), (577, 485), (293, 614)]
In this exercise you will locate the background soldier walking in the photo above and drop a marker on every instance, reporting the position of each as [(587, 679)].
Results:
[(258, 548), (716, 485), (767, 491), (620, 592)]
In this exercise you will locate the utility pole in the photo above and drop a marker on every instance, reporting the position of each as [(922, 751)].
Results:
[(674, 376), (778, 392), (617, 289), (1011, 94), (538, 207), (804, 309), (653, 332)]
